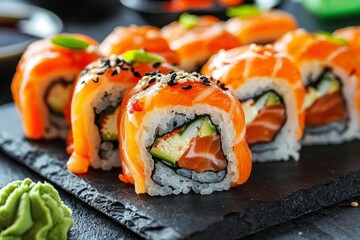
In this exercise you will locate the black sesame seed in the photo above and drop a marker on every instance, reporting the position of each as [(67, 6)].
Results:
[(95, 80), (124, 68), (117, 61), (171, 72), (148, 74), (114, 72), (156, 64), (172, 83), (137, 74), (186, 87), (222, 86), (83, 82), (100, 73), (132, 69), (173, 76), (152, 80)]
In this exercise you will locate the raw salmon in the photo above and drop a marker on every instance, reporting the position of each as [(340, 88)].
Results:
[(178, 91), (134, 37), (262, 28), (196, 44), (43, 63)]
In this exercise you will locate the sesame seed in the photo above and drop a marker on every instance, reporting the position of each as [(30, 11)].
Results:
[(152, 80), (186, 87), (100, 73), (222, 86), (156, 64), (354, 204), (137, 74), (96, 80), (114, 72)]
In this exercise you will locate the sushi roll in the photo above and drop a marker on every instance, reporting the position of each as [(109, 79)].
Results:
[(133, 37), (352, 36), (253, 25), (96, 105), (44, 79), (197, 38), (182, 132), (331, 77), (270, 89)]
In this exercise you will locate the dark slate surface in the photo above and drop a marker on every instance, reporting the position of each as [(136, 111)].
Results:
[(276, 192), (88, 222)]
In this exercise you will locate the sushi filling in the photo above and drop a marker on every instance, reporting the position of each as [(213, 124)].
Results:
[(192, 151), (325, 105), (106, 117), (56, 99), (264, 117)]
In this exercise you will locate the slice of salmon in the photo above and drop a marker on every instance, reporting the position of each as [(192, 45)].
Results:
[(204, 154), (266, 125), (327, 109)]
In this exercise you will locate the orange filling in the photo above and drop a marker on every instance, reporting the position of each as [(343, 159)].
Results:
[(266, 125), (327, 109), (204, 154)]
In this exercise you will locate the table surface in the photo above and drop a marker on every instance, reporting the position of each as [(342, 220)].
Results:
[(336, 222)]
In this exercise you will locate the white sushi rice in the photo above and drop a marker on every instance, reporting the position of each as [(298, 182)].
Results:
[(104, 155), (285, 145), (312, 71), (167, 180)]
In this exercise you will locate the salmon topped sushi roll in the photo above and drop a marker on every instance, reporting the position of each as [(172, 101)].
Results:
[(253, 25), (197, 38), (352, 36), (43, 82), (331, 76), (181, 132), (272, 95), (96, 105), (133, 37)]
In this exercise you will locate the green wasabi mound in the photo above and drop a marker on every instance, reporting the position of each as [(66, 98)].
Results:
[(33, 211)]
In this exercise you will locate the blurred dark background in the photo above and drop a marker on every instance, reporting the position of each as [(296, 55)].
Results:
[(97, 18)]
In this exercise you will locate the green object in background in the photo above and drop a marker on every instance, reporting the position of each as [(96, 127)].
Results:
[(33, 211), (332, 8)]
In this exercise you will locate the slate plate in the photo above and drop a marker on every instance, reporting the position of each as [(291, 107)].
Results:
[(275, 193)]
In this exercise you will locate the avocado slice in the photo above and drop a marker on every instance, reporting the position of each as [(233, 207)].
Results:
[(328, 84), (272, 99), (207, 128), (266, 100), (57, 96), (108, 124), (172, 146)]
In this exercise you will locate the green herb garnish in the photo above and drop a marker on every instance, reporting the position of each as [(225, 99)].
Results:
[(188, 21), (332, 38), (69, 41), (243, 11), (140, 56)]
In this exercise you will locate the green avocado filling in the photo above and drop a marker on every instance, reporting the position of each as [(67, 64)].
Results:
[(171, 146), (57, 96), (253, 106), (107, 123), (31, 210), (327, 84)]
